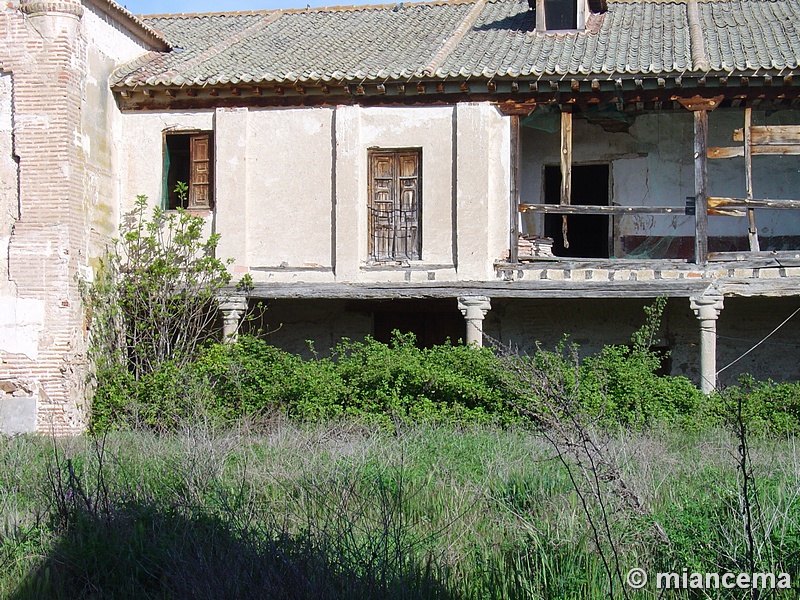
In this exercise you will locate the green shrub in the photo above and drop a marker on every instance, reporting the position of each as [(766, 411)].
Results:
[(767, 407), (400, 382), (620, 385)]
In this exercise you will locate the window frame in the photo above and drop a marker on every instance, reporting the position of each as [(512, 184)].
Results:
[(406, 247), (198, 170)]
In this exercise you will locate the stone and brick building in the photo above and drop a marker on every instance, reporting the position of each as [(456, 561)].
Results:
[(450, 168)]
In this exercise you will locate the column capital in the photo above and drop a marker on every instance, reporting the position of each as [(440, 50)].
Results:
[(232, 307), (708, 305), (232, 303), (474, 307)]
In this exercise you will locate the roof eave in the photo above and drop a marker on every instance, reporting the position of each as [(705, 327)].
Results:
[(132, 24)]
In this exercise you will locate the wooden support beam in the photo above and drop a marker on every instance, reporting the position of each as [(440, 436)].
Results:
[(726, 152), (590, 209), (718, 202), (513, 232), (566, 168), (701, 186), (735, 151), (752, 232), (775, 135)]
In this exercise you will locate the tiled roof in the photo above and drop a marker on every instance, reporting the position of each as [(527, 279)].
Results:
[(465, 38), (748, 35)]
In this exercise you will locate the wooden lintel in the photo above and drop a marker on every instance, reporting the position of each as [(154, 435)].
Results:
[(696, 102)]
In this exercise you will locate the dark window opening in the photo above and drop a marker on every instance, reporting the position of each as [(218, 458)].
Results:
[(561, 14), (395, 205), (431, 322), (588, 235), (187, 160)]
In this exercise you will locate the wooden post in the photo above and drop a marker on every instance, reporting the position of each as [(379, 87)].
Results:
[(752, 232), (513, 242), (566, 167), (701, 186)]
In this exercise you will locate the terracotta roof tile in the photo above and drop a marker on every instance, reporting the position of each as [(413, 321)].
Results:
[(478, 38)]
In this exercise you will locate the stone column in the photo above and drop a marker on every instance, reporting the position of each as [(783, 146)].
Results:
[(474, 309), (232, 309), (707, 307)]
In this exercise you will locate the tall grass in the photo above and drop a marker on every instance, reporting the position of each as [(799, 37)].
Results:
[(350, 511)]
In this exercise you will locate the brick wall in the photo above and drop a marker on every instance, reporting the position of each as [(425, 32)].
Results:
[(47, 245)]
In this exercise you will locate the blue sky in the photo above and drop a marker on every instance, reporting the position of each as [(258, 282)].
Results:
[(146, 7)]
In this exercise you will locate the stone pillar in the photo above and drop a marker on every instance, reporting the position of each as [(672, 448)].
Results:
[(474, 309), (707, 307), (232, 309)]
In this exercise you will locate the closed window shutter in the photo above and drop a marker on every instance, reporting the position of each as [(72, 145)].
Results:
[(200, 176), (394, 205)]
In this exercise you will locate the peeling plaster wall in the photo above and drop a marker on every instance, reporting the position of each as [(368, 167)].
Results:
[(107, 45), (141, 147), (652, 164)]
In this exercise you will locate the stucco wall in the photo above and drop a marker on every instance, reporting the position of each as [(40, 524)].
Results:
[(108, 44), (141, 141), (291, 187)]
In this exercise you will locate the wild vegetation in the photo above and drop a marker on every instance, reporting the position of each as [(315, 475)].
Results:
[(387, 471), (342, 510)]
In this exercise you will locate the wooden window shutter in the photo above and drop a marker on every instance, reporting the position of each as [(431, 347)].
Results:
[(200, 175), (394, 205)]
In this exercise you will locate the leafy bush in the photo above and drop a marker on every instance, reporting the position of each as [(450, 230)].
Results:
[(767, 406), (399, 382), (154, 295)]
